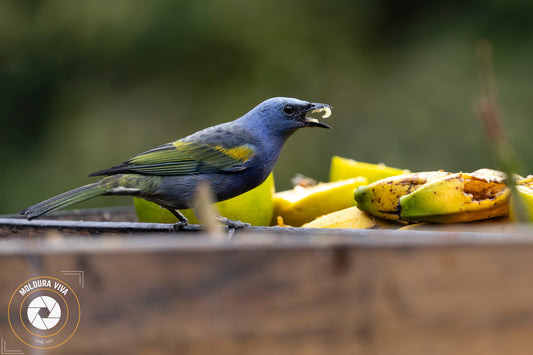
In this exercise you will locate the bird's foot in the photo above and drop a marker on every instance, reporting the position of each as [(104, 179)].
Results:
[(182, 220), (230, 223), (179, 225)]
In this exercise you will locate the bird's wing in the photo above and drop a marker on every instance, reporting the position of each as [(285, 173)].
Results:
[(182, 158)]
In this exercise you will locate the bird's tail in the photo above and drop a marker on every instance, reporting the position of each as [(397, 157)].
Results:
[(122, 184), (65, 199)]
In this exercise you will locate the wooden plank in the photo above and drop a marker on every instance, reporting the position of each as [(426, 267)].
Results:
[(12, 227), (457, 294)]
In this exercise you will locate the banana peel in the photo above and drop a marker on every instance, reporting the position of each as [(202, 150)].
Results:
[(381, 198), (460, 197)]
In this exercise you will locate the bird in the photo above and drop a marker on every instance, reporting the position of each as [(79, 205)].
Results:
[(232, 158)]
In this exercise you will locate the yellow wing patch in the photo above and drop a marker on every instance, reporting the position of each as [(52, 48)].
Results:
[(180, 158), (241, 153)]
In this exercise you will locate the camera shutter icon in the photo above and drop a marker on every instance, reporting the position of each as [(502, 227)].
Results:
[(44, 312)]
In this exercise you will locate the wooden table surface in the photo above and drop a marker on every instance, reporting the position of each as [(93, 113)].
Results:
[(273, 291)]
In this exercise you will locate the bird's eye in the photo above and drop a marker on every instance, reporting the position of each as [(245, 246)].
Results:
[(288, 109)]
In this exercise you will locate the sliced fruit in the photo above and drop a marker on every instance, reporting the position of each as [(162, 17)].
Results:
[(344, 168), (527, 181), (525, 193), (381, 198), (255, 207), (303, 204), (351, 217), (458, 197)]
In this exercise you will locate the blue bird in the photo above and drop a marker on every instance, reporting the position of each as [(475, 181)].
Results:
[(231, 157)]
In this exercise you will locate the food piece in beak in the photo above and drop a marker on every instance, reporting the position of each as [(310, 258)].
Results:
[(310, 121)]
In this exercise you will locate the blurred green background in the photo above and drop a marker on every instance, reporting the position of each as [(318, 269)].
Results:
[(87, 84)]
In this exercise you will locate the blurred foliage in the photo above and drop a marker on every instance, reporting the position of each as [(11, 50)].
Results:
[(86, 85)]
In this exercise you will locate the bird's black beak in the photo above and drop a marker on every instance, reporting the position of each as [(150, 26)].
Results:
[(317, 108)]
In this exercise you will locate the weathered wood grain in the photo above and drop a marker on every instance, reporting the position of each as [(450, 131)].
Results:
[(378, 292)]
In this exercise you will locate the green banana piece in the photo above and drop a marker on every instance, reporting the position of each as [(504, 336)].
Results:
[(524, 187), (460, 197), (381, 198)]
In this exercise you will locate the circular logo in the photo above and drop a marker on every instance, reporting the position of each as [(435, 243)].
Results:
[(44, 312)]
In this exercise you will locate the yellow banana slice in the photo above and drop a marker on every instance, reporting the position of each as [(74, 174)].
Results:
[(351, 217), (344, 168), (303, 204)]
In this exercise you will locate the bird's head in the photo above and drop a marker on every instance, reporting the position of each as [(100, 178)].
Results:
[(286, 115)]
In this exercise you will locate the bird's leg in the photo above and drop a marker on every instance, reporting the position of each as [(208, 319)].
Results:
[(182, 220)]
